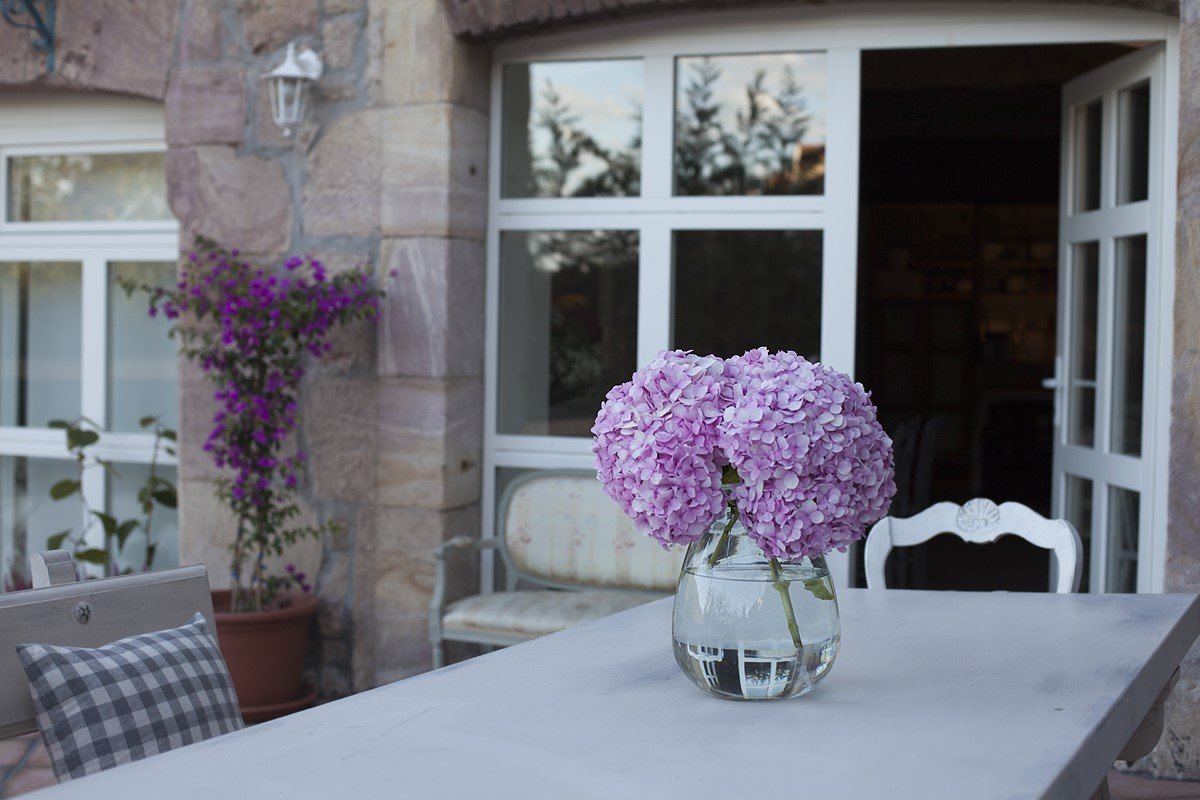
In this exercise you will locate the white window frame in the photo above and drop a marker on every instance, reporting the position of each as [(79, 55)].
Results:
[(52, 125), (842, 32)]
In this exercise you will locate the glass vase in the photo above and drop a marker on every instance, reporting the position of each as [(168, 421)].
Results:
[(746, 627)]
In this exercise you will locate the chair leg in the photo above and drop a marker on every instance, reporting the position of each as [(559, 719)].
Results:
[(1101, 792), (439, 655)]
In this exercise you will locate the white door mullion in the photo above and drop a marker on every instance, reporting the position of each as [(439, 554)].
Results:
[(1100, 537), (1104, 346), (839, 271), (94, 327)]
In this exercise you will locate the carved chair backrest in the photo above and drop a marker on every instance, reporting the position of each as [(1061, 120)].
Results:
[(559, 529), (63, 611), (980, 521)]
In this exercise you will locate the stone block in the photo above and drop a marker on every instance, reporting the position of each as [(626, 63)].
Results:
[(200, 37), (196, 409), (339, 36), (430, 441), (423, 62), (433, 318), (403, 582), (341, 195), (270, 24), (240, 202), (434, 172), (206, 105), (108, 45), (339, 428), (207, 529)]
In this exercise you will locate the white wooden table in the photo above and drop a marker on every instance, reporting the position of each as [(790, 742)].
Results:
[(934, 695)]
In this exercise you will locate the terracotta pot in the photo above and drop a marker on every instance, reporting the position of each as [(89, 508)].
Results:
[(264, 651)]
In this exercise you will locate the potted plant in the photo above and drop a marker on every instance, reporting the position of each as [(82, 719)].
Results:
[(252, 330)]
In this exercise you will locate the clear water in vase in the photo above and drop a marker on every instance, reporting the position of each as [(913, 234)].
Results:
[(731, 628)]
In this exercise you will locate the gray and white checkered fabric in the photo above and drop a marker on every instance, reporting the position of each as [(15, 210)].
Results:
[(147, 694)]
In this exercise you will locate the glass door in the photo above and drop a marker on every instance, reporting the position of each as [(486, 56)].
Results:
[(1109, 248)]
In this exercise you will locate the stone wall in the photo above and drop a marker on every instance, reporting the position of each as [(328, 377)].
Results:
[(1178, 753), (388, 170)]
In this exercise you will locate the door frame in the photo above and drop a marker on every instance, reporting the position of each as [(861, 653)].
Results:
[(843, 32)]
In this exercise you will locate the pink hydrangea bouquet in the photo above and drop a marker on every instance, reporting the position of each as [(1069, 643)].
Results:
[(800, 443)]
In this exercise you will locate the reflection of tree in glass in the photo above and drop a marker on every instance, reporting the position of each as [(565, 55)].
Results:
[(591, 296), (577, 165), (108, 187), (763, 154)]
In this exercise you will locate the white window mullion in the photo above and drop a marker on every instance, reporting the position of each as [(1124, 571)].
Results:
[(658, 126), (93, 354), (655, 306)]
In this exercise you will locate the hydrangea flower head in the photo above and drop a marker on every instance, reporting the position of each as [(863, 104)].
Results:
[(816, 466), (655, 445)]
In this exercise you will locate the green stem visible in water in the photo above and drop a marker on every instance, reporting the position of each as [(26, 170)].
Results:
[(723, 542), (789, 611)]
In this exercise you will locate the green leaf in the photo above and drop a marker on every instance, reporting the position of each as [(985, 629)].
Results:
[(818, 588), (108, 522), (93, 556), (147, 421), (77, 438), (58, 424), (55, 542), (166, 497), (64, 488), (169, 435), (123, 530)]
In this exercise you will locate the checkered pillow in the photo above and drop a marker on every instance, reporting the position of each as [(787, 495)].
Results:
[(130, 699)]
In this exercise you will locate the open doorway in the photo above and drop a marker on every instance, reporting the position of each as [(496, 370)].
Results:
[(958, 286)]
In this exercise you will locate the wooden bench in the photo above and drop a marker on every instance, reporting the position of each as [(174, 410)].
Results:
[(569, 556)]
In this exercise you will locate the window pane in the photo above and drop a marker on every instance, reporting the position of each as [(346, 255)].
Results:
[(1133, 166), (572, 129), (1087, 157), (737, 290), (1123, 507), (164, 522), (1081, 413), (28, 517), (40, 337), (750, 124), (1077, 509), (568, 326), (108, 187), (141, 357), (1129, 337)]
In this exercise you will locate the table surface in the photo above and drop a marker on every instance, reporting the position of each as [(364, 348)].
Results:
[(934, 695)]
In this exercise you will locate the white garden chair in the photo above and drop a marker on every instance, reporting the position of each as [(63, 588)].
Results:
[(980, 521)]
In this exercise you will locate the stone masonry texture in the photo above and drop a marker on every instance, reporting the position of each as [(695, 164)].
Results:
[(389, 170)]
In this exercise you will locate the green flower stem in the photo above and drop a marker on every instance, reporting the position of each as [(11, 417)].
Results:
[(781, 586), (724, 540)]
